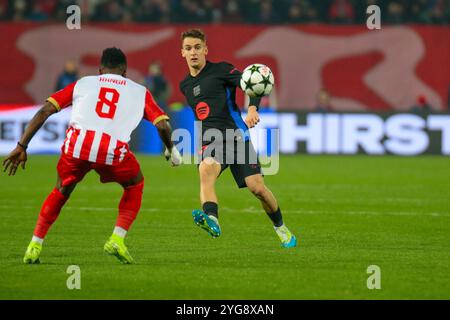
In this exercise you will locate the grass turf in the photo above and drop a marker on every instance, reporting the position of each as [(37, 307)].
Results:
[(348, 212)]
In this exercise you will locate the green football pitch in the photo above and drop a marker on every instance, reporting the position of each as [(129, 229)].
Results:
[(348, 212)]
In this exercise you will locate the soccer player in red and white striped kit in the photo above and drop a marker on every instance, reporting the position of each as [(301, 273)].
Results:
[(105, 110)]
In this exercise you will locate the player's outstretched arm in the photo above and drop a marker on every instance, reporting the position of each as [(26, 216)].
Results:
[(232, 77), (19, 155), (165, 133), (171, 152)]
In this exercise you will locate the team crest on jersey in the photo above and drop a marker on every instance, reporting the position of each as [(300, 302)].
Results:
[(196, 90)]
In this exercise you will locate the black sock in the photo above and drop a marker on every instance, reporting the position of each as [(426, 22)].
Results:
[(276, 218), (211, 209)]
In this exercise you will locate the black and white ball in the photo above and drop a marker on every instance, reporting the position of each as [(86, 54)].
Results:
[(257, 80)]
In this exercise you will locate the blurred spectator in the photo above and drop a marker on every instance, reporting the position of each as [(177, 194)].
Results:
[(422, 105), (113, 12), (250, 9), (301, 11), (37, 13), (146, 12), (417, 11), (395, 13), (47, 7), (153, 11), (267, 14), (297, 13), (69, 75), (19, 8), (341, 11), (193, 11), (312, 14), (212, 11), (108, 11), (165, 11), (232, 12), (436, 12), (323, 101), (158, 84), (3, 9), (129, 9)]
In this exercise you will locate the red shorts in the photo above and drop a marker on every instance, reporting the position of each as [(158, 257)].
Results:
[(72, 170)]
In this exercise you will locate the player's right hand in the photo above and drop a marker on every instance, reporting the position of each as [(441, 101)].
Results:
[(252, 118), (174, 156), (17, 157)]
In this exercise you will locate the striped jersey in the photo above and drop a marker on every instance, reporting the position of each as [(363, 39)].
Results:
[(105, 110)]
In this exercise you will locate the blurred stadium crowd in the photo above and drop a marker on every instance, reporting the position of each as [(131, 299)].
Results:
[(229, 11)]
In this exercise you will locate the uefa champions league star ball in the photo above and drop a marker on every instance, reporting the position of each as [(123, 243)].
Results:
[(257, 80)]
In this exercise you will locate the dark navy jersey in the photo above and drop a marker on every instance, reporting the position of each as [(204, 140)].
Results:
[(212, 96)]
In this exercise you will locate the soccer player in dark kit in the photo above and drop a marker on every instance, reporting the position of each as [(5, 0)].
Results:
[(210, 90)]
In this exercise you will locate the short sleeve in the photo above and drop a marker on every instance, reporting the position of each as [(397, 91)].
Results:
[(152, 111), (62, 98)]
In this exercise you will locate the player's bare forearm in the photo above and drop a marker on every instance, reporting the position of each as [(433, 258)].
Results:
[(36, 122), (18, 156), (165, 133)]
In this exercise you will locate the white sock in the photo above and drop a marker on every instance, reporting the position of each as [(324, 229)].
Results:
[(278, 228), (121, 232), (37, 239)]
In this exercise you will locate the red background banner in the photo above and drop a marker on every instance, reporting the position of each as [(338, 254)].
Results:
[(363, 70)]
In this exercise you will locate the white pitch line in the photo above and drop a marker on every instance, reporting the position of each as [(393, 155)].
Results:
[(251, 210), (317, 212)]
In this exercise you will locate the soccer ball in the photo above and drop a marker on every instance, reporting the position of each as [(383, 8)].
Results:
[(257, 80)]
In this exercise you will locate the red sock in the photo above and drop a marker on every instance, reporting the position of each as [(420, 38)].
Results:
[(129, 205), (49, 212)]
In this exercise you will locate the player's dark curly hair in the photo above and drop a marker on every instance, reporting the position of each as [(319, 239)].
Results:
[(113, 58)]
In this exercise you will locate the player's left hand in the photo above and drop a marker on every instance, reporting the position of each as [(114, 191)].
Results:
[(17, 157), (252, 117), (174, 156)]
